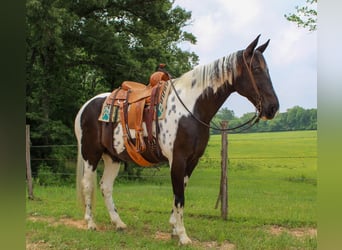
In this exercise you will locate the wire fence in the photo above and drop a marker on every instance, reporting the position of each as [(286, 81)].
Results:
[(66, 156), (204, 161)]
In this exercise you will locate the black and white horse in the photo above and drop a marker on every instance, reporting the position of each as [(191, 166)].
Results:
[(182, 138)]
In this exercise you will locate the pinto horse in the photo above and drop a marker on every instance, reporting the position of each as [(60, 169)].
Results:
[(193, 101)]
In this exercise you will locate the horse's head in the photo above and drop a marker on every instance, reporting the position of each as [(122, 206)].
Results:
[(253, 80)]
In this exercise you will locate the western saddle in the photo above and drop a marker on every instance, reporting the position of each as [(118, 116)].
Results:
[(136, 103)]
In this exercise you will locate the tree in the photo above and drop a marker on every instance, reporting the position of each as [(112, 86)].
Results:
[(305, 16), (295, 118), (77, 49), (223, 114), (226, 114)]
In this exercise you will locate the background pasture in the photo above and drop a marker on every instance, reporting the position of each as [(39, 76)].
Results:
[(272, 202)]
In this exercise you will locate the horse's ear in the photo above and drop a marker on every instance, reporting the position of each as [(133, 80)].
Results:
[(262, 48), (249, 50)]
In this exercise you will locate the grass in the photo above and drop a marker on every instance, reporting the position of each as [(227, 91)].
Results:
[(272, 202)]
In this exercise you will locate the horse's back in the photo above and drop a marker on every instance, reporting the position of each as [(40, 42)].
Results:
[(88, 111), (87, 127)]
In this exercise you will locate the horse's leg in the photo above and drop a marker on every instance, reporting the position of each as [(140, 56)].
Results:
[(88, 183), (173, 218), (110, 172), (176, 219)]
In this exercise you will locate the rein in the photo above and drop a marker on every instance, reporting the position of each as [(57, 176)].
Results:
[(251, 122)]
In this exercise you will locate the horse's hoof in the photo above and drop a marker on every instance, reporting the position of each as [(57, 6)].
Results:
[(185, 240), (121, 227), (92, 226)]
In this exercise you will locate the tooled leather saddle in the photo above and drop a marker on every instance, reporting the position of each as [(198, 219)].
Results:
[(132, 104)]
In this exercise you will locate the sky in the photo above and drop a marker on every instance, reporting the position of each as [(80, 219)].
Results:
[(225, 26)]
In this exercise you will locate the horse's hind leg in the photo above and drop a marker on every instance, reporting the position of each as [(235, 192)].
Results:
[(110, 172), (88, 183)]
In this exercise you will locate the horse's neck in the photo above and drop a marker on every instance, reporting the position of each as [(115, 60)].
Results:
[(208, 104), (207, 87)]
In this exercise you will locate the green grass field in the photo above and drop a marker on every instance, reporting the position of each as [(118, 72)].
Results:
[(272, 202)]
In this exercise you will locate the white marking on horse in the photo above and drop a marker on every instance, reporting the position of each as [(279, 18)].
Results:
[(118, 139), (88, 189), (176, 220), (119, 145), (110, 172), (186, 180)]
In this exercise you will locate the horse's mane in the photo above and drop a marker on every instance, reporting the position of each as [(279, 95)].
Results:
[(212, 75)]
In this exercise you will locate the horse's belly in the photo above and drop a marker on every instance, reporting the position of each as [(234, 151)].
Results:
[(166, 137)]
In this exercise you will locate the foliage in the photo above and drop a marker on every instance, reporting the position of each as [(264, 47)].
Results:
[(46, 177), (77, 49), (305, 16), (296, 118)]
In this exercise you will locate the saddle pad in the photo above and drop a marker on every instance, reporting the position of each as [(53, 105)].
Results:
[(105, 113), (163, 100)]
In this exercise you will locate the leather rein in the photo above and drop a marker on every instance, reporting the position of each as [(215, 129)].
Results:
[(244, 126)]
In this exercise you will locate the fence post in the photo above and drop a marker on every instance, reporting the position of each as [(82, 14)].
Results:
[(223, 195), (28, 164)]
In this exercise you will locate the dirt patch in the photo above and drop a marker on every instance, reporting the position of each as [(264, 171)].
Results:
[(162, 236), (214, 245), (205, 245), (39, 245), (80, 224), (66, 221), (296, 232), (73, 223)]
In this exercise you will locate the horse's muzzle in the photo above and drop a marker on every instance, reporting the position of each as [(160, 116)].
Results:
[(269, 112)]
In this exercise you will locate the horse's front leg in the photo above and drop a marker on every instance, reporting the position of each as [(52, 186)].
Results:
[(176, 220), (110, 172)]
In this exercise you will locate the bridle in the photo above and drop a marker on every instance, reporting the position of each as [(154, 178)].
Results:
[(249, 69), (244, 126)]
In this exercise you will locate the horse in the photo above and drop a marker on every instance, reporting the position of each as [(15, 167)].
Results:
[(193, 101)]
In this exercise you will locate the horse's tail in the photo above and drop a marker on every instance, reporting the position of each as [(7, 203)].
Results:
[(80, 167), (79, 176)]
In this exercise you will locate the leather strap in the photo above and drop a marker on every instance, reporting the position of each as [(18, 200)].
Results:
[(130, 148), (138, 108)]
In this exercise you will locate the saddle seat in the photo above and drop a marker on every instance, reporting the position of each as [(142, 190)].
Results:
[(127, 85), (136, 103)]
